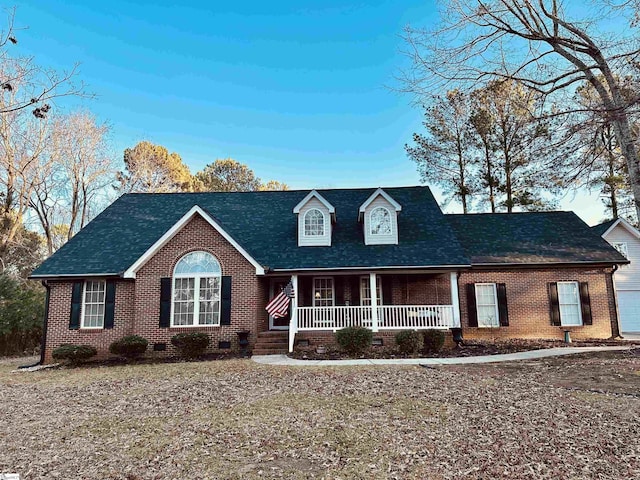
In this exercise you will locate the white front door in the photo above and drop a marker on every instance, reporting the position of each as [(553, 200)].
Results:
[(629, 310), (275, 286)]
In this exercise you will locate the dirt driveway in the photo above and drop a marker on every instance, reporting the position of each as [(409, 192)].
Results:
[(574, 417)]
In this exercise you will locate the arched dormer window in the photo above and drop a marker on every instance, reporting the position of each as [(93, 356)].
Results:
[(196, 291), (380, 221), (314, 223)]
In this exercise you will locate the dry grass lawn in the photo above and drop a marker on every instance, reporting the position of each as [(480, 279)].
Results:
[(565, 418)]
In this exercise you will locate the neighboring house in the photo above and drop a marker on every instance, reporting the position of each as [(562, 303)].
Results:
[(626, 239), (387, 259)]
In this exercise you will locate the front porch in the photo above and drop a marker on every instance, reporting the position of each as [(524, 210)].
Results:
[(380, 302)]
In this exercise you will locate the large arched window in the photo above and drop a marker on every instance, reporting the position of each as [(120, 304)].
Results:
[(380, 221), (314, 223), (196, 291)]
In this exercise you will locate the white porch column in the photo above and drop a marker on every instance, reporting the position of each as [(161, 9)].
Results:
[(374, 302), (293, 306), (455, 299)]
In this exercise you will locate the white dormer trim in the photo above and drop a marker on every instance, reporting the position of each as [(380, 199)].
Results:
[(169, 234), (310, 195), (621, 221), (372, 197)]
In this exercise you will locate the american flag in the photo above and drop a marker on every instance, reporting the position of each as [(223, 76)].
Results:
[(279, 306)]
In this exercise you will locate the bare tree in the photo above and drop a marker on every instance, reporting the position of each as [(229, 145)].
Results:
[(535, 42), (27, 85)]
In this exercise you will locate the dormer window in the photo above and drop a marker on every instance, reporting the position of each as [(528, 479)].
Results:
[(316, 217), (380, 222), (313, 223), (379, 215)]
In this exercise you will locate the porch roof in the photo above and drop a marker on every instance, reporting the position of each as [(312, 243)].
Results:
[(263, 224)]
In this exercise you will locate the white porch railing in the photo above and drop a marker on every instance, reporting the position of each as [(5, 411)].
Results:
[(418, 317)]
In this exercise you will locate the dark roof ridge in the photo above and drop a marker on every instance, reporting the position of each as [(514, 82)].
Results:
[(318, 189), (511, 213)]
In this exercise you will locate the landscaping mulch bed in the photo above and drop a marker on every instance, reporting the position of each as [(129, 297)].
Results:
[(469, 349), (559, 418)]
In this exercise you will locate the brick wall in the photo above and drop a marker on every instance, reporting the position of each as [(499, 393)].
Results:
[(528, 303), (137, 303)]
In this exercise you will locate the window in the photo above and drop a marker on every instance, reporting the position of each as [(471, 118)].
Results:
[(93, 304), (569, 301), (314, 223), (323, 292), (380, 220), (365, 291), (487, 305), (196, 291)]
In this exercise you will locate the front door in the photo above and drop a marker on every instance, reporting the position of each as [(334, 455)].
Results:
[(278, 323)]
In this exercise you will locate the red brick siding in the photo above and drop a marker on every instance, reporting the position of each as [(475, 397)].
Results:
[(528, 303), (60, 310)]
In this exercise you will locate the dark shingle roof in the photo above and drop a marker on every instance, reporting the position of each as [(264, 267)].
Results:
[(531, 238), (603, 227), (264, 225)]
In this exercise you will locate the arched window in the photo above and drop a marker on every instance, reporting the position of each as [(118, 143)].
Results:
[(314, 223), (196, 290), (380, 221)]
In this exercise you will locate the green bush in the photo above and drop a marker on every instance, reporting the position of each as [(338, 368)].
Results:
[(74, 353), (21, 315), (408, 341), (190, 345), (354, 340), (433, 341), (131, 346)]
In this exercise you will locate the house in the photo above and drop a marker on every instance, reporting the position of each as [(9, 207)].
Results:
[(387, 259), (626, 239)]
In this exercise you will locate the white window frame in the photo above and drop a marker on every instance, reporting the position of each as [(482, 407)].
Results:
[(333, 292), (85, 303), (371, 232), (495, 304), (365, 285), (561, 303), (197, 277), (304, 223)]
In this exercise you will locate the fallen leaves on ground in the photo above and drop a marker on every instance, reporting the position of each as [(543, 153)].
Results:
[(547, 419)]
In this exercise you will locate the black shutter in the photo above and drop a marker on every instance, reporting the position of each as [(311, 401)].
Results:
[(76, 305), (165, 302), (503, 312), (355, 290), (472, 309), (109, 303), (305, 291), (554, 304), (585, 304), (225, 308), (338, 288), (387, 289)]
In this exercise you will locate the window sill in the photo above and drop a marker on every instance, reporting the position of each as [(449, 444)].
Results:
[(195, 326), (91, 329)]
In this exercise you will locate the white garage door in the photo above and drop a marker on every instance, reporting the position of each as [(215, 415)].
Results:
[(629, 306)]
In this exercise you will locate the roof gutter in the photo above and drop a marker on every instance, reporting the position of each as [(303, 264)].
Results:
[(73, 275), (549, 264), (367, 268)]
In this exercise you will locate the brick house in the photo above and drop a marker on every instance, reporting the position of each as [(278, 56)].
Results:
[(387, 259)]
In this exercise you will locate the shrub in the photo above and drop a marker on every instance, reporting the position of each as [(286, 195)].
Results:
[(131, 346), (190, 345), (433, 341), (354, 340), (74, 353), (408, 341)]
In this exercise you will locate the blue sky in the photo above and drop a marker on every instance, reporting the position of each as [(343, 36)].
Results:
[(299, 93)]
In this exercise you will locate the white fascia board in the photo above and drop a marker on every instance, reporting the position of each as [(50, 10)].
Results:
[(627, 226), (310, 195), (131, 271), (384, 195)]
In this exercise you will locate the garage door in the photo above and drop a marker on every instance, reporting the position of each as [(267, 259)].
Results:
[(629, 306)]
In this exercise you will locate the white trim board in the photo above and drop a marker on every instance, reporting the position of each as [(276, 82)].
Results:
[(630, 228), (321, 199), (169, 234), (384, 195)]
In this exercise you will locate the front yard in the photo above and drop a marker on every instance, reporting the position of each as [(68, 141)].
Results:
[(573, 418)]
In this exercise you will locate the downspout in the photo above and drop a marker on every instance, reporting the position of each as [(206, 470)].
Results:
[(615, 302)]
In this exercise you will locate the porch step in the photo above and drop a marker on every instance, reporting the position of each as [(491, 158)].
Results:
[(271, 343)]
